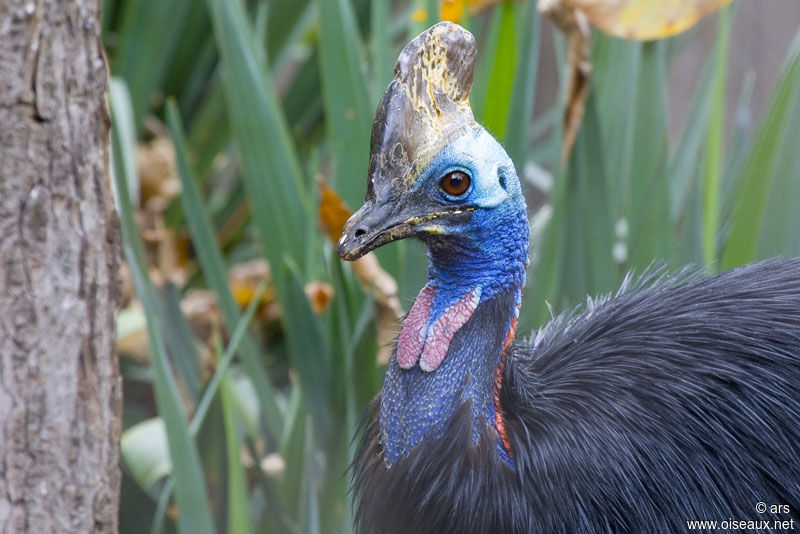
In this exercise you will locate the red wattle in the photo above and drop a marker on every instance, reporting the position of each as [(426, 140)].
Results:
[(441, 332), (415, 329)]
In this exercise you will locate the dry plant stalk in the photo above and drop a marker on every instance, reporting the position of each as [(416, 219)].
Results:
[(641, 20), (333, 213), (575, 27)]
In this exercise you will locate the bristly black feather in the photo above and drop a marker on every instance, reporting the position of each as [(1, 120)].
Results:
[(443, 477), (670, 402), (445, 485)]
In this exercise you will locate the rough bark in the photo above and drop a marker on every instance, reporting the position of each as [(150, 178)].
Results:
[(60, 390)]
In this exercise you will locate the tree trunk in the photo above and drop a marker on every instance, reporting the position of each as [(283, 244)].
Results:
[(60, 390)]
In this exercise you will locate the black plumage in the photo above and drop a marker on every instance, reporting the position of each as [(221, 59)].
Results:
[(676, 400)]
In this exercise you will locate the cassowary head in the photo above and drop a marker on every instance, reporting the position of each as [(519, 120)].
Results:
[(640, 409), (434, 172), (437, 175)]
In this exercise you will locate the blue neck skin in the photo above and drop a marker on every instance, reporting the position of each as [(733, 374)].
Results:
[(489, 252)]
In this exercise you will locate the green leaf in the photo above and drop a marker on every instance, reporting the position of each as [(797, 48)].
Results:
[(302, 101), (501, 77), (209, 133), (210, 258), (348, 109), (517, 134), (740, 139), (381, 48), (225, 360), (123, 150), (238, 510), (591, 219), (309, 513), (575, 256), (194, 59), (308, 349), (714, 154), (210, 392), (291, 450), (281, 204), (648, 198), (362, 346), (190, 488), (145, 452), (284, 17), (762, 163), (148, 36), (181, 343), (684, 169), (489, 42), (543, 287), (246, 402), (616, 73), (780, 233)]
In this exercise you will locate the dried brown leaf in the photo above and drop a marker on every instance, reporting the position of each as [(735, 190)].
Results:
[(244, 278), (645, 20), (158, 181), (333, 213), (320, 295), (631, 19), (577, 32)]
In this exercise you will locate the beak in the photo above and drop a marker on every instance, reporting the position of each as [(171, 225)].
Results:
[(370, 227), (425, 107), (376, 224)]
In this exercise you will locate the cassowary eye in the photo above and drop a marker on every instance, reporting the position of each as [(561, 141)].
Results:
[(455, 183)]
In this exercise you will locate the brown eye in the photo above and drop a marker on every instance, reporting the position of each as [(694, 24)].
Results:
[(455, 183)]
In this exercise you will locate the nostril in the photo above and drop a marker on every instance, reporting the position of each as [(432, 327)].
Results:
[(360, 232)]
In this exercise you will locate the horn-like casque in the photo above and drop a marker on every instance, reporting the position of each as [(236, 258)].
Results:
[(424, 108)]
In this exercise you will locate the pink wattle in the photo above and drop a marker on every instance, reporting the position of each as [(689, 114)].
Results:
[(441, 332), (415, 329)]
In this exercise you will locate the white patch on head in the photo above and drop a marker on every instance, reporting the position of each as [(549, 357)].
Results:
[(485, 157)]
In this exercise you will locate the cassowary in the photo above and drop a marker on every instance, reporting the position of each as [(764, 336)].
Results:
[(676, 400)]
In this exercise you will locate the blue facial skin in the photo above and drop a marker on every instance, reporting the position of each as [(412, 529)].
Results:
[(489, 252)]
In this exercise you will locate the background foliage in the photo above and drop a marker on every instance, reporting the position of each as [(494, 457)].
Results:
[(238, 418)]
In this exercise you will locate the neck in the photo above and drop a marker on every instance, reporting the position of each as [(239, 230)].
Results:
[(492, 257), (459, 331)]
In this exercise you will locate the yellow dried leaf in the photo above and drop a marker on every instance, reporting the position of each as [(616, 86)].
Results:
[(244, 278), (452, 10), (419, 15), (320, 295), (645, 20), (333, 212), (243, 293)]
